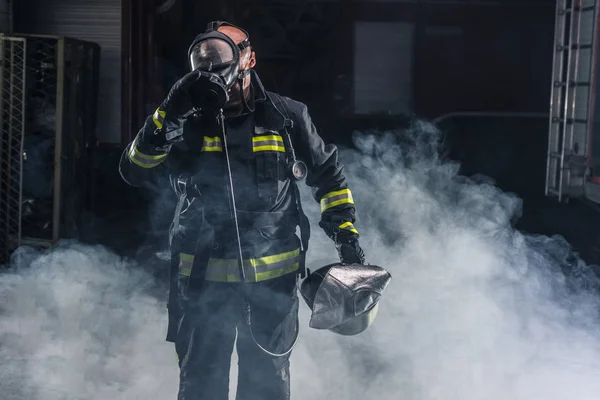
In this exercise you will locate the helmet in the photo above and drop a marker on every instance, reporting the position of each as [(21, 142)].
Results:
[(344, 298)]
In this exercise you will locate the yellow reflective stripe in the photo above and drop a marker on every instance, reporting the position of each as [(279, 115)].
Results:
[(268, 143), (159, 118), (263, 138), (149, 157), (336, 198), (186, 257), (256, 269), (185, 264), (212, 144), (280, 149), (348, 226), (337, 193), (234, 277), (145, 160), (256, 262), (263, 276)]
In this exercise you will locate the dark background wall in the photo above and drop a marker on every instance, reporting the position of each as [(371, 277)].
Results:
[(468, 55), (484, 58)]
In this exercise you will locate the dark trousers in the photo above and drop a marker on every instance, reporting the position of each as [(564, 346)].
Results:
[(207, 330)]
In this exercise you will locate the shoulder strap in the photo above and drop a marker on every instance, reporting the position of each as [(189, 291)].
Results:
[(304, 223)]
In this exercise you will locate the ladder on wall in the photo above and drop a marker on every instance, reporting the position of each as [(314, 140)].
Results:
[(566, 169)]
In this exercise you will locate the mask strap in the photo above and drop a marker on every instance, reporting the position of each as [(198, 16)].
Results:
[(215, 25), (244, 73), (244, 44), (241, 77)]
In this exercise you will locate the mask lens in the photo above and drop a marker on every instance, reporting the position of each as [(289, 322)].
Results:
[(211, 54)]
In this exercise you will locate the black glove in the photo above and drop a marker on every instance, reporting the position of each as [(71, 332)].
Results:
[(179, 101), (350, 252), (346, 241), (164, 127)]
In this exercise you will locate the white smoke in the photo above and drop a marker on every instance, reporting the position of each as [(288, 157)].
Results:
[(475, 310), (80, 323)]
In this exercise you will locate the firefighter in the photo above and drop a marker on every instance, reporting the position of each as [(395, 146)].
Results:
[(233, 152)]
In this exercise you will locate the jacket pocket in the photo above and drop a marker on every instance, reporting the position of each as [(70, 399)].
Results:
[(269, 151), (268, 174)]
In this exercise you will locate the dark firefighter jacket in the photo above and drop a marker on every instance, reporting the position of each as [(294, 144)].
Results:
[(203, 236)]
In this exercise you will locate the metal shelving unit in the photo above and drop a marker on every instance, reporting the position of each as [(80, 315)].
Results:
[(48, 103)]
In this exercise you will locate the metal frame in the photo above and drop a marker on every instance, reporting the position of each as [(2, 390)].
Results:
[(68, 70), (556, 103), (494, 114), (58, 143), (10, 138), (566, 165), (593, 82)]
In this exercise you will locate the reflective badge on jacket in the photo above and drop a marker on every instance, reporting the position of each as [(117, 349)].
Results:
[(212, 144), (267, 140)]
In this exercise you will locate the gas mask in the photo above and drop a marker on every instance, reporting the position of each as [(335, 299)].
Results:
[(218, 58)]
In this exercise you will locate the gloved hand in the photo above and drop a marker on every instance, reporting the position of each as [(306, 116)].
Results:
[(178, 101), (164, 128), (346, 241), (161, 139), (350, 252)]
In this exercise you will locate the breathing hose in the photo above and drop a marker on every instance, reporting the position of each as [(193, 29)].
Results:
[(243, 278)]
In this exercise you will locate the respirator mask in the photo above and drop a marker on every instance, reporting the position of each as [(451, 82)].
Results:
[(218, 58)]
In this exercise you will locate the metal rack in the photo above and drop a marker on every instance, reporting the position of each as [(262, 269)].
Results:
[(12, 131), (571, 98), (48, 103)]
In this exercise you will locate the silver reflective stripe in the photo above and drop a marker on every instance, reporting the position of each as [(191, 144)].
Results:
[(332, 199), (267, 143), (336, 198), (145, 160)]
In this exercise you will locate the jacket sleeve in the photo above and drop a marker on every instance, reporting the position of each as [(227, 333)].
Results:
[(325, 175), (143, 164)]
